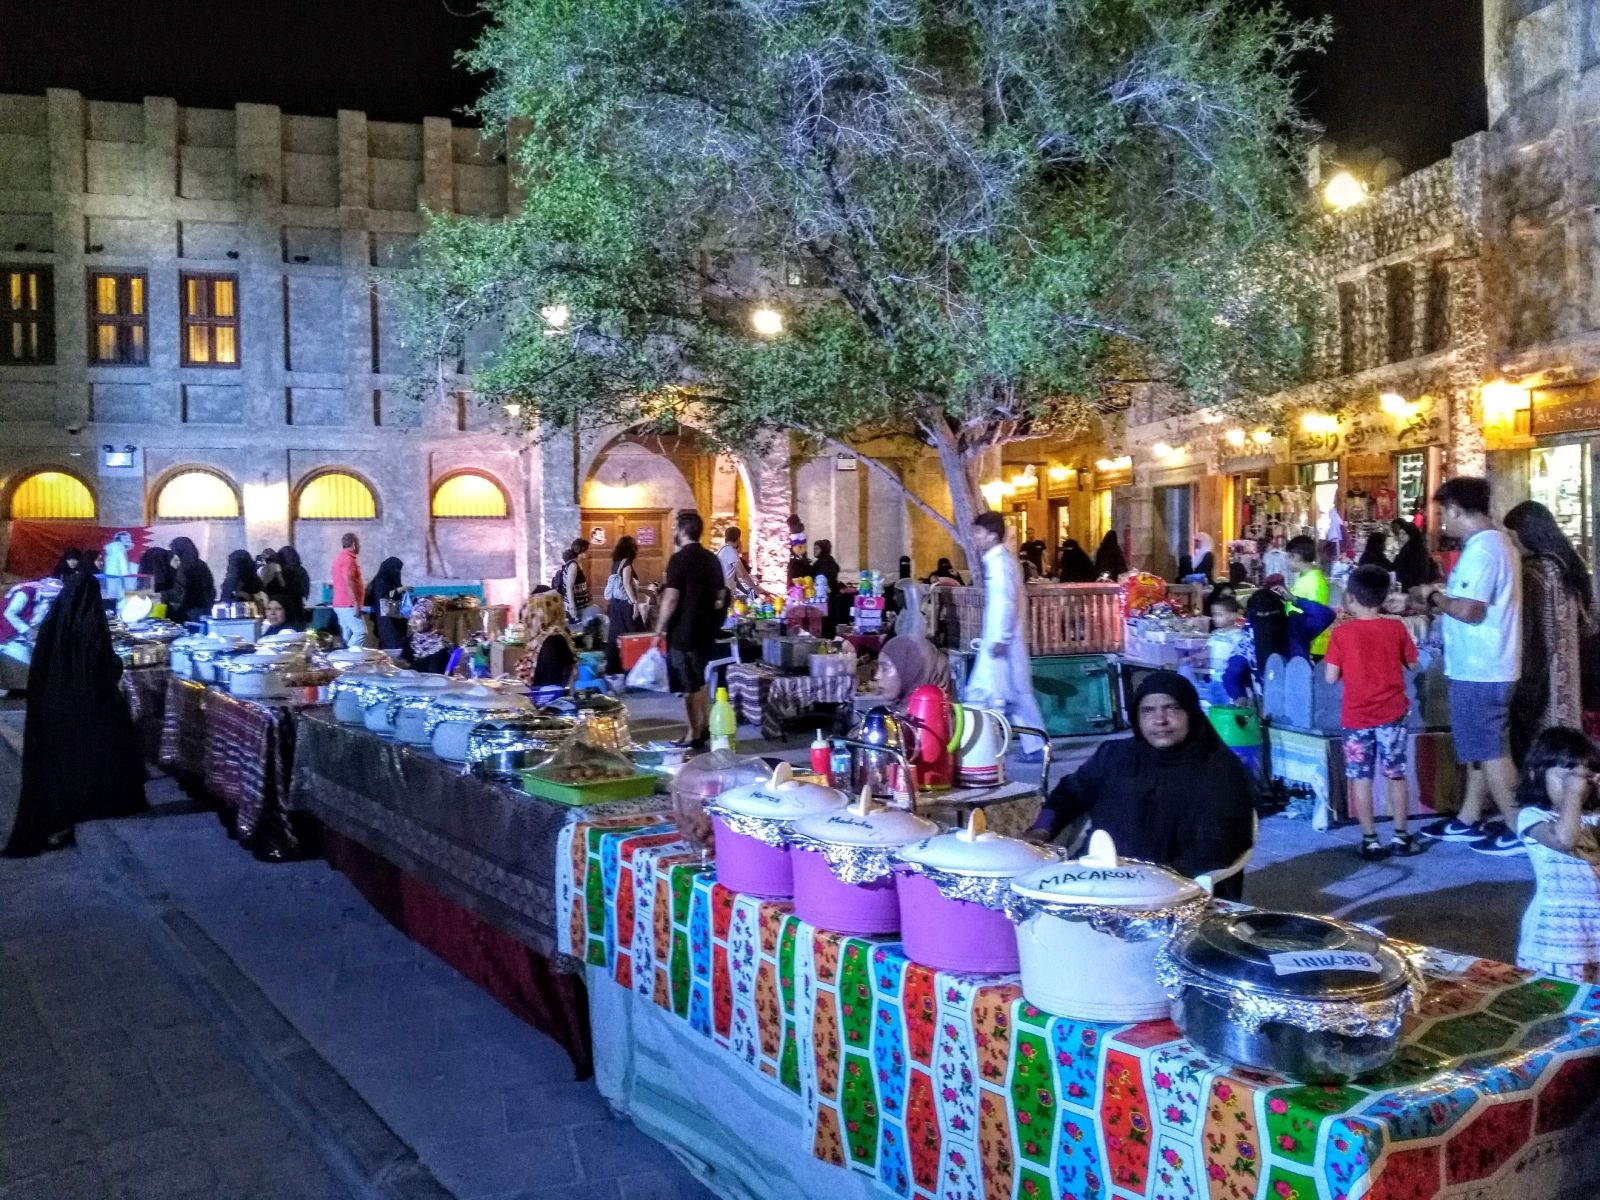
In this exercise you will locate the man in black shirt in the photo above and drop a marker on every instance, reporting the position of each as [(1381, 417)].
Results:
[(693, 607)]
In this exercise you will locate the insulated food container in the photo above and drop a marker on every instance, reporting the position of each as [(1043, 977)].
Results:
[(1310, 998), (407, 709), (1088, 932), (953, 890), (262, 675), (375, 697), (349, 691), (452, 717), (752, 826), (844, 865)]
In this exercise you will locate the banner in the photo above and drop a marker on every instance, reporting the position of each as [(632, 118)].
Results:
[(35, 547)]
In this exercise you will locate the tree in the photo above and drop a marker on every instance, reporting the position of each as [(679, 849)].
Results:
[(1017, 211)]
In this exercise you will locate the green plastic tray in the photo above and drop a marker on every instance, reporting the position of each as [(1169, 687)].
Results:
[(579, 794)]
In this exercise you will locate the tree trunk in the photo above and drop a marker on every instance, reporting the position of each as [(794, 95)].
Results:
[(966, 501)]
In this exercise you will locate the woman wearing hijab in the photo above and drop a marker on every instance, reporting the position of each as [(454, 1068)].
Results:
[(67, 563), (1413, 565), (551, 659), (1171, 794), (80, 753), (1205, 559), (1075, 566), (156, 562), (240, 583), (909, 659), (1108, 560), (943, 570), (194, 589), (1557, 619), (1376, 551), (826, 566), (383, 602), (429, 651), (296, 582)]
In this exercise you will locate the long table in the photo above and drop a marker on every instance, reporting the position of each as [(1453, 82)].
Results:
[(465, 866), (240, 753), (929, 1085)]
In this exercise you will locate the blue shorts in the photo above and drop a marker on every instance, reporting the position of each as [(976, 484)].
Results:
[(1479, 715)]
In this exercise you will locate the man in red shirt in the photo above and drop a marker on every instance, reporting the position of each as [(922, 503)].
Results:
[(1371, 654), (348, 590)]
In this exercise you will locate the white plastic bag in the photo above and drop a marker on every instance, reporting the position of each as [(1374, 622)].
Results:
[(649, 674)]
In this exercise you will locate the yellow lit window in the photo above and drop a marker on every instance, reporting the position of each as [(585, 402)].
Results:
[(52, 496), (210, 320), (27, 316), (119, 330), (197, 496), (336, 496), (469, 495)]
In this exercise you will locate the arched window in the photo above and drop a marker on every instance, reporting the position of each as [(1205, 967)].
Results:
[(335, 496), (470, 494), (197, 495), (52, 496)]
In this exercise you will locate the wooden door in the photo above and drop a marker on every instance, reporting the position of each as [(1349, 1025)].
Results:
[(604, 527)]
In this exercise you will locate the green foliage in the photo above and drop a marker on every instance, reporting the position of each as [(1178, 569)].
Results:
[(1015, 208)]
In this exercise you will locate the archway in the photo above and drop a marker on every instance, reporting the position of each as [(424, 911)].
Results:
[(636, 484)]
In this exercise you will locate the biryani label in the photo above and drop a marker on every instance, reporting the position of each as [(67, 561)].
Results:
[(1298, 962)]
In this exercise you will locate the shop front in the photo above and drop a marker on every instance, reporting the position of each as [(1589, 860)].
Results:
[(1543, 447)]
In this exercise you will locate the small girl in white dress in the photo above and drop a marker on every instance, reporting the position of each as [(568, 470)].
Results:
[(1559, 823)]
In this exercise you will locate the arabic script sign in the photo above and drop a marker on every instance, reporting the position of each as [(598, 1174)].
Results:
[(1565, 409)]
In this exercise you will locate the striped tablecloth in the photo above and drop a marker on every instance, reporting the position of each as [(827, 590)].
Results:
[(769, 698), (952, 1087)]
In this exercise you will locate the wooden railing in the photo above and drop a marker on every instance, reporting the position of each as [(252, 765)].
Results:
[(1063, 618)]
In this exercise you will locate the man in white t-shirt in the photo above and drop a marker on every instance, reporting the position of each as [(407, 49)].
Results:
[(1480, 614), (734, 573)]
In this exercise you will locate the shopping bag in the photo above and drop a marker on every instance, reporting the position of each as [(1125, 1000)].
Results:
[(649, 674)]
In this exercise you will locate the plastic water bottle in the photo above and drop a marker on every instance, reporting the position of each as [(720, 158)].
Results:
[(723, 723)]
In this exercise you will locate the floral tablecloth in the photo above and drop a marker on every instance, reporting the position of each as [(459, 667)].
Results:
[(949, 1086)]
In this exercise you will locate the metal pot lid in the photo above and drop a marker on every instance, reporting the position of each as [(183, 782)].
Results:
[(534, 722), (208, 641), (1290, 954), (866, 824), (782, 798), (362, 654), (1101, 877), (975, 851), (428, 685), (481, 699), (270, 658)]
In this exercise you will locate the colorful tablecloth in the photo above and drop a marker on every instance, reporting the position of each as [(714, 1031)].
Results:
[(949, 1086), (764, 696), (241, 752), (146, 690)]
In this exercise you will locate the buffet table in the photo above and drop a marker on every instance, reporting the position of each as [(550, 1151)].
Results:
[(146, 691), (769, 698), (239, 752), (765, 1048), (463, 865)]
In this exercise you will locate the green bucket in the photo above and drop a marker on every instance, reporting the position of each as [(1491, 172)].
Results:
[(1236, 724)]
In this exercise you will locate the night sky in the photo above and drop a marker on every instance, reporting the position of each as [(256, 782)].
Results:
[(1402, 77)]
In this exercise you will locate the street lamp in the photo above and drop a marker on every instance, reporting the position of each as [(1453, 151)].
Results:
[(556, 315), (768, 322), (1343, 191), (1235, 437)]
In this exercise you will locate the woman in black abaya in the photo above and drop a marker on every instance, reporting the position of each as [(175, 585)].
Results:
[(1171, 794), (383, 598), (194, 588), (80, 754)]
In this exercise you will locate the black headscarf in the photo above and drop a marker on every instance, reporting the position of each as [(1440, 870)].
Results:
[(296, 580), (241, 582), (1108, 560), (80, 755), (1075, 565), (1376, 551), (386, 581), (1413, 565), (156, 562), (71, 559), (194, 590), (1188, 807)]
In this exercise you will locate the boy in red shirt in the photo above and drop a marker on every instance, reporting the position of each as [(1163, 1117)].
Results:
[(1371, 654)]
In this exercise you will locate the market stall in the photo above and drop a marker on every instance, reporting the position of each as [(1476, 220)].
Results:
[(767, 1048), (776, 700), (240, 752), (464, 865)]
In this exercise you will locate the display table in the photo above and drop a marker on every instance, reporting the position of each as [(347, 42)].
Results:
[(463, 865), (240, 753), (146, 690), (764, 696), (942, 1085)]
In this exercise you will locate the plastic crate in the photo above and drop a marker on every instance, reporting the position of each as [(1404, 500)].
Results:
[(578, 795), (633, 645)]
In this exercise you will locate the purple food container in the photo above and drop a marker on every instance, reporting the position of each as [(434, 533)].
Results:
[(962, 935), (860, 841), (752, 826)]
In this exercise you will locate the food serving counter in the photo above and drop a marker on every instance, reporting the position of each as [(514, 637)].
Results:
[(773, 1054)]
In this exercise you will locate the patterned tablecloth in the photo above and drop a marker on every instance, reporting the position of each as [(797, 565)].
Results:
[(242, 753), (764, 696), (950, 1086), (146, 690)]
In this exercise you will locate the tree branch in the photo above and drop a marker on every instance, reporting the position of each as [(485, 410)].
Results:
[(889, 475)]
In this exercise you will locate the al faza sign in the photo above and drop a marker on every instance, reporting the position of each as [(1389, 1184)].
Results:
[(1571, 409)]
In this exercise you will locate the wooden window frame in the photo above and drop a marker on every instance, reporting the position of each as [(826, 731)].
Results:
[(124, 323), (194, 469), (44, 316), (188, 321)]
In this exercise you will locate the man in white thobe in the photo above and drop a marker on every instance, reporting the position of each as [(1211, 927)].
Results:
[(1002, 676)]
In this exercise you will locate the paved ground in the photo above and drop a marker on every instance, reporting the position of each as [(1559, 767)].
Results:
[(182, 1021)]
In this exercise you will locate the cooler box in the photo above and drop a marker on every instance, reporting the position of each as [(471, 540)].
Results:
[(633, 645), (1077, 693)]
